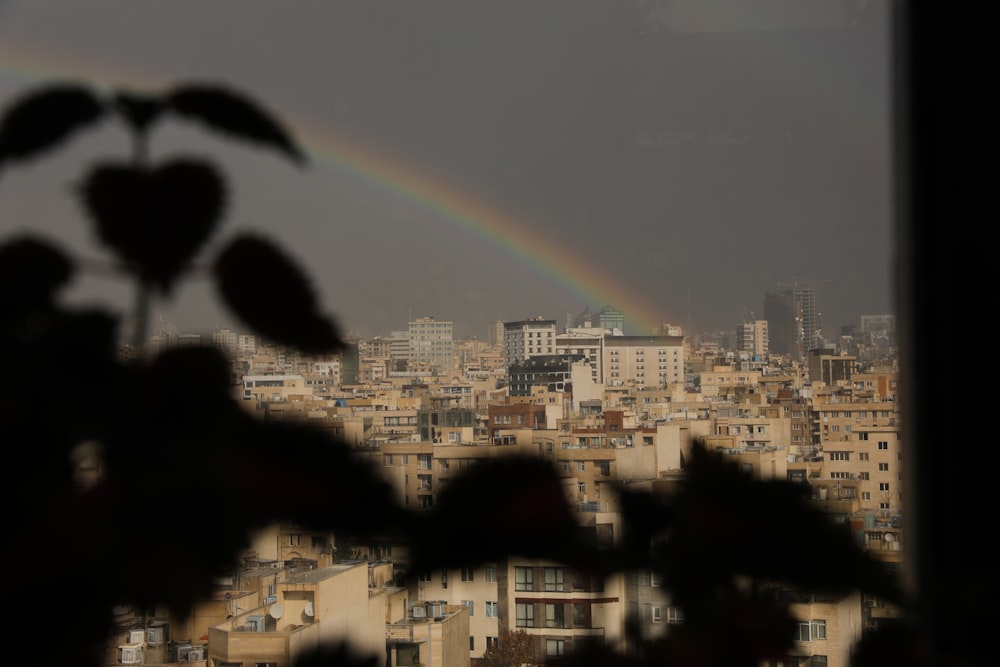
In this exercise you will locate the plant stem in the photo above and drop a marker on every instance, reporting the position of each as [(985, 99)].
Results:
[(142, 295)]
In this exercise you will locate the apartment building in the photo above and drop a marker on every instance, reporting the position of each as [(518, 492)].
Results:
[(588, 343), (831, 369), (641, 361), (274, 388), (475, 589), (724, 381), (431, 346), (434, 634), (525, 339), (561, 610), (310, 607), (828, 627), (751, 338)]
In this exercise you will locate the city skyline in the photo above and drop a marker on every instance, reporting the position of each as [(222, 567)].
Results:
[(674, 170)]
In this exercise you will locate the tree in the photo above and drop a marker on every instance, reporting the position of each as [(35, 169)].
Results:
[(513, 648)]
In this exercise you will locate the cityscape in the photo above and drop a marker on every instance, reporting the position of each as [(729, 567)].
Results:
[(777, 397), (492, 395)]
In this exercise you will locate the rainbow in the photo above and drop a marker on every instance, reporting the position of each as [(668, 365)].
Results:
[(475, 220)]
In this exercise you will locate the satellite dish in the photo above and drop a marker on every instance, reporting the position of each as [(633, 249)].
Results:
[(889, 537), (276, 611), (308, 611)]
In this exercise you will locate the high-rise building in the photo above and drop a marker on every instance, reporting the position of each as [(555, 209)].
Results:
[(611, 319), (529, 338), (752, 337), (495, 337), (792, 321), (431, 344)]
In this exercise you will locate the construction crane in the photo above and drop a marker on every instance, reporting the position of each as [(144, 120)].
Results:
[(795, 283)]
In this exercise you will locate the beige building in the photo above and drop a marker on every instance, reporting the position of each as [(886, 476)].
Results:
[(431, 345), (641, 361), (560, 609), (435, 634), (828, 628), (311, 608), (529, 338)]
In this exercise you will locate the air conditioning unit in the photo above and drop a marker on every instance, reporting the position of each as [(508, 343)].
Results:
[(130, 655), (419, 611), (136, 636), (196, 654)]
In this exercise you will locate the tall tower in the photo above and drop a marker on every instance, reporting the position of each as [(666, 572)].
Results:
[(792, 321)]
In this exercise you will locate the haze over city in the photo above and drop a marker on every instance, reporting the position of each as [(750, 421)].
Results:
[(478, 162)]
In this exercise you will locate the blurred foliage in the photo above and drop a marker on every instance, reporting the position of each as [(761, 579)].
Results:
[(513, 648), (174, 442)]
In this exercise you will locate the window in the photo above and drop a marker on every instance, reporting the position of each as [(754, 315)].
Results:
[(294, 540), (810, 630), (490, 574), (524, 579), (675, 615), (747, 468), (817, 661), (424, 461), (554, 578), (580, 466), (862, 456), (883, 444), (468, 574), (657, 613), (865, 495), (580, 615), (492, 641), (407, 655), (524, 615), (424, 576), (555, 616), (471, 605), (883, 486), (472, 643), (864, 475), (555, 647), (883, 467), (840, 456), (491, 609)]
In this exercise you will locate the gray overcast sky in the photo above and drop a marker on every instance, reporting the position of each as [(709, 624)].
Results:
[(476, 161)]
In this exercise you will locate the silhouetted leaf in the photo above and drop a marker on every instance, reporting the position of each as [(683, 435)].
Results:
[(155, 220), (234, 114), (725, 528), (43, 119), (325, 485), (31, 270), (139, 111), (520, 507), (269, 292), (339, 654)]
